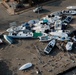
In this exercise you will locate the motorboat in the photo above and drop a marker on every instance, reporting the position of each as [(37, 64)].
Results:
[(21, 34), (8, 39), (1, 41), (45, 38), (58, 25), (25, 66), (59, 33), (62, 38), (68, 12), (74, 38), (69, 46), (50, 46), (41, 28), (71, 7)]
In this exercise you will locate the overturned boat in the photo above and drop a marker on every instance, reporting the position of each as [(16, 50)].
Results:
[(25, 66)]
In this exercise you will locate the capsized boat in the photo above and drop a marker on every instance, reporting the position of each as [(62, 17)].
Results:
[(49, 47), (8, 39), (25, 66)]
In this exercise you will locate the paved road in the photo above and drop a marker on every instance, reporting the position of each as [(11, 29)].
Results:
[(5, 18)]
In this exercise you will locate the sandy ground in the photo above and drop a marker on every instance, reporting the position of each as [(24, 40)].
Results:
[(24, 51)]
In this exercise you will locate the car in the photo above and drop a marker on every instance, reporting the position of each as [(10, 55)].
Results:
[(39, 8)]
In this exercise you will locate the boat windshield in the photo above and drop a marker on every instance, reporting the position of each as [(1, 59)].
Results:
[(50, 46)]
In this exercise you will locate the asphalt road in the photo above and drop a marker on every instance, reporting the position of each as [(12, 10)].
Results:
[(48, 7)]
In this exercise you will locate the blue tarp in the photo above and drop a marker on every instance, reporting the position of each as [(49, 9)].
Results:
[(26, 24), (33, 21), (45, 21)]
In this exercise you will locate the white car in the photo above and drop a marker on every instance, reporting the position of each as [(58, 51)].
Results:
[(38, 9)]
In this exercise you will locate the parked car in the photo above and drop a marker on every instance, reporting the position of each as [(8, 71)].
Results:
[(38, 9)]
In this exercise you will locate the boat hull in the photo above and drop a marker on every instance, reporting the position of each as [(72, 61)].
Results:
[(25, 66), (8, 39)]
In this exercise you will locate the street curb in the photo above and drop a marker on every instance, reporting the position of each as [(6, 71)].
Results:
[(29, 8)]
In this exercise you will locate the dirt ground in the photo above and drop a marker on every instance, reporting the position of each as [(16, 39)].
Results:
[(24, 51)]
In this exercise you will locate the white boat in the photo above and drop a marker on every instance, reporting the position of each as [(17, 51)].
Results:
[(71, 7), (45, 38), (8, 39), (69, 46), (25, 66), (41, 28), (62, 38), (21, 34), (49, 47), (58, 25), (69, 12), (1, 41), (19, 28), (59, 34), (74, 38)]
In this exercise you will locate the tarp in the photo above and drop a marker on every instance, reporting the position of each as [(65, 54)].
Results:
[(36, 35), (45, 21), (25, 24), (33, 21)]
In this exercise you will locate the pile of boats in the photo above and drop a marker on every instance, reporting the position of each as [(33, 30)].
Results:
[(50, 28)]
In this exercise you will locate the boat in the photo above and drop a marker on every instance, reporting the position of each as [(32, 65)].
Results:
[(74, 38), (69, 46), (59, 33), (21, 34), (45, 38), (49, 47), (68, 12), (63, 38), (41, 28), (1, 41), (8, 39), (71, 7), (58, 25), (25, 66)]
